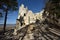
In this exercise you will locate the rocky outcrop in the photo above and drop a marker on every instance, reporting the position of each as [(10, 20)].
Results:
[(36, 31), (44, 26)]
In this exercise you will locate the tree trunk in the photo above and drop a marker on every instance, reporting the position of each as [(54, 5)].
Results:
[(5, 20)]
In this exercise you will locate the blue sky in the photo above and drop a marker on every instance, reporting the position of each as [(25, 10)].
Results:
[(34, 5)]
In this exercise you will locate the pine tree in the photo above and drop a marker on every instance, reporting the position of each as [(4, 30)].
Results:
[(8, 5)]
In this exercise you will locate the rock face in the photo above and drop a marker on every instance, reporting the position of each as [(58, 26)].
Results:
[(36, 32), (38, 26), (26, 17), (33, 31)]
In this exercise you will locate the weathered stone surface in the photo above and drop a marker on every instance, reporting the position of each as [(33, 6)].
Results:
[(35, 33), (36, 26)]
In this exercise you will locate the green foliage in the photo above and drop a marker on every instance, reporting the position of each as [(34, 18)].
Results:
[(53, 7), (9, 4)]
